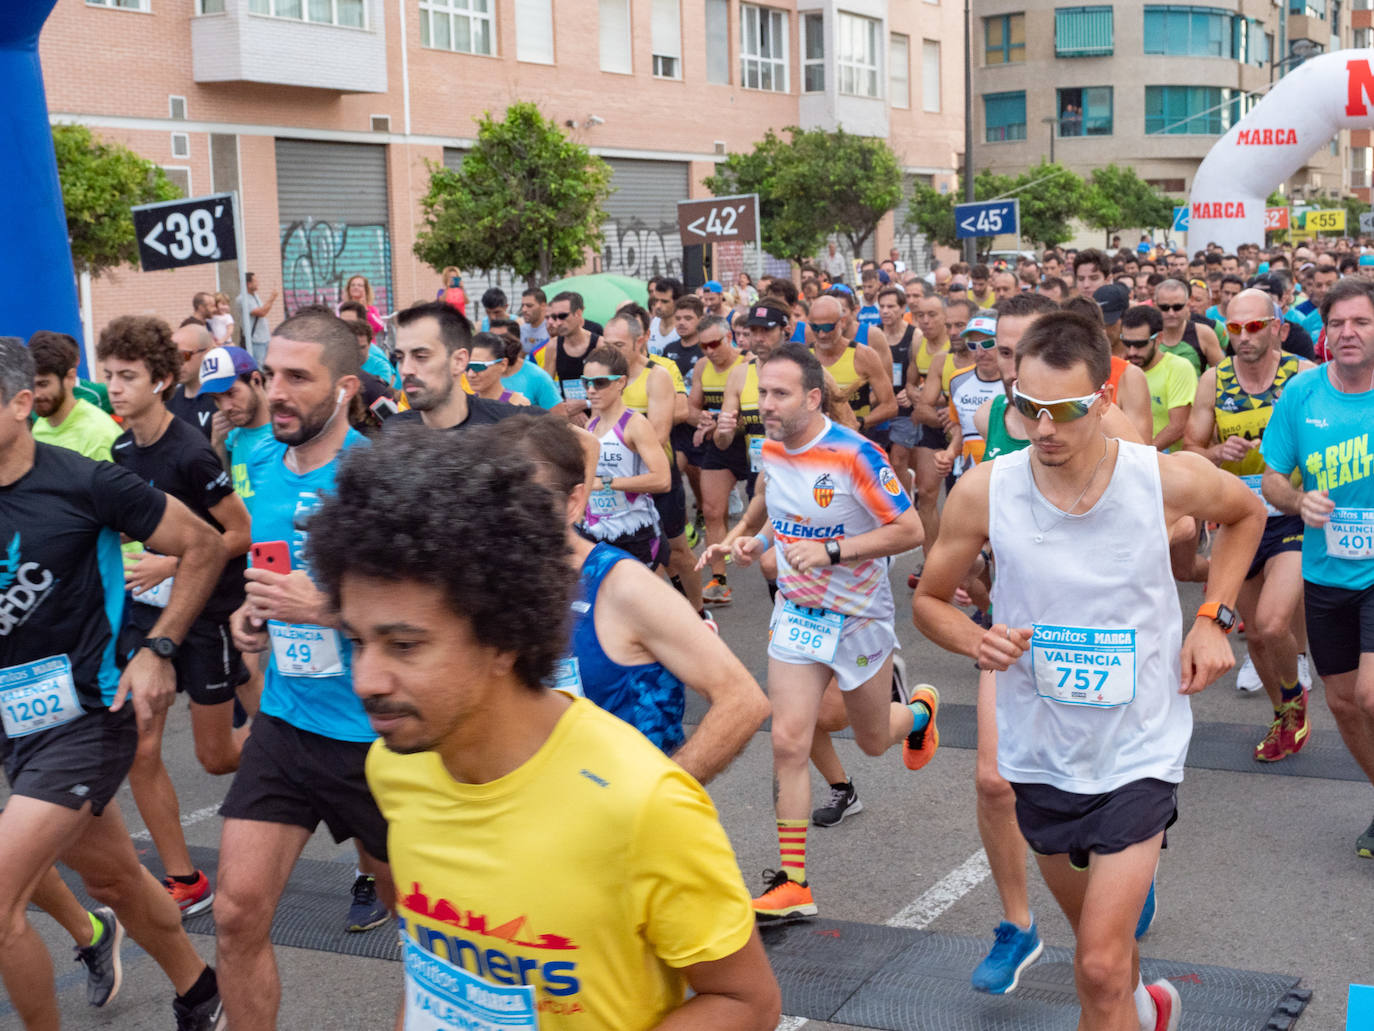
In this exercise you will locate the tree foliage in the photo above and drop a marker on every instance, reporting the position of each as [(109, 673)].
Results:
[(1116, 198), (788, 227), (932, 212), (526, 198), (101, 182), (1049, 196)]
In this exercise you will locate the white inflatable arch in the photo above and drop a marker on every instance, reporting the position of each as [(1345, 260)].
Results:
[(1295, 119)]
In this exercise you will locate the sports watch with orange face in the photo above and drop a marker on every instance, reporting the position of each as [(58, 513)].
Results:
[(1222, 615)]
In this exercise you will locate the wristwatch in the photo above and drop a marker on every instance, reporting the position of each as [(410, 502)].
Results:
[(1222, 615), (832, 549), (162, 647)]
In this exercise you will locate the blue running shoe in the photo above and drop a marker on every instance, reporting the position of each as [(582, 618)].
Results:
[(1147, 914), (1013, 951)]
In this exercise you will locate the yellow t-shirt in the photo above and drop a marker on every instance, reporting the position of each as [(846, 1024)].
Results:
[(593, 872)]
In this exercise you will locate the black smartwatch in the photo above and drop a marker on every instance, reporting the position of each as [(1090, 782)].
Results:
[(832, 549), (162, 647)]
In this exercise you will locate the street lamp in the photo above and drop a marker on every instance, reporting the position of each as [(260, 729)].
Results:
[(1299, 50), (1050, 121)]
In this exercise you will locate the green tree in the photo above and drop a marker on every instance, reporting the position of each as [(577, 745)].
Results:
[(932, 212), (1051, 195), (526, 198), (788, 227), (101, 182), (1116, 198)]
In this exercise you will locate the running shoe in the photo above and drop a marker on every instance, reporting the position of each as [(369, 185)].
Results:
[(920, 745), (691, 533), (1288, 733), (1248, 678), (1364, 844), (367, 911), (1147, 913), (1013, 951), (191, 898), (1168, 1006), (710, 622), (208, 1016), (715, 593), (104, 972), (784, 898), (843, 801)]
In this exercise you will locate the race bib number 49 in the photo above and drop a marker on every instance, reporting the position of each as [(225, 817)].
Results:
[(305, 651), (1084, 665), (1350, 533), (444, 997)]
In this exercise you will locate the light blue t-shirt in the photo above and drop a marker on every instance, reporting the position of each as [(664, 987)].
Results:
[(376, 363), (324, 705), (1325, 433), (868, 315), (241, 442), (536, 384)]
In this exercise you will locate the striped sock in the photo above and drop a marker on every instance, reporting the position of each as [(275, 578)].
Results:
[(792, 848)]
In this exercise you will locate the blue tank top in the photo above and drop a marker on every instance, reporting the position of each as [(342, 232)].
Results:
[(647, 697)]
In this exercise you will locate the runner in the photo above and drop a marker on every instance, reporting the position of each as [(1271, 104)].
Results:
[(62, 515), (969, 389), (472, 781), (233, 379), (930, 417), (876, 427), (863, 378), (630, 468), (632, 645), (187, 401), (900, 337), (487, 365), (1235, 401), (1172, 381), (522, 375), (569, 344), (832, 502), (64, 419), (721, 468), (1321, 427), (1180, 335), (140, 360), (685, 352), (303, 763), (1101, 809), (664, 293)]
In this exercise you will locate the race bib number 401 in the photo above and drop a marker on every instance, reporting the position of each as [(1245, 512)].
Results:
[(1350, 533), (1084, 665), (444, 997)]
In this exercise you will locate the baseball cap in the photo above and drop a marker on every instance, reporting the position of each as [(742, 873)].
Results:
[(712, 286), (1113, 299), (221, 366), (984, 323), (767, 314)]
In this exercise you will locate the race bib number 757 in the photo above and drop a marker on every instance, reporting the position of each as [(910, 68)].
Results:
[(1084, 665)]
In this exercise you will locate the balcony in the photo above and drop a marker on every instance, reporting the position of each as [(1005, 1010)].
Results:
[(269, 41)]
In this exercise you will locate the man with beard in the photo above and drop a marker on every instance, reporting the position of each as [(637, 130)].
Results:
[(303, 763), (1172, 380), (63, 418), (233, 379)]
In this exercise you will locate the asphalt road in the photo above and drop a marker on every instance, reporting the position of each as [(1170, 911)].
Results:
[(1260, 874)]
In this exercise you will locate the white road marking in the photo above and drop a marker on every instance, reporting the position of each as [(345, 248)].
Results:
[(187, 820), (929, 906)]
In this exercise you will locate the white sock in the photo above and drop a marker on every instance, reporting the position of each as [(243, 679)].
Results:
[(1144, 1007), (357, 872)]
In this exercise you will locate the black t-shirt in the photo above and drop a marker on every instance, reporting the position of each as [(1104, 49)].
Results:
[(685, 358), (61, 570), (568, 368), (482, 411), (198, 410), (182, 463)]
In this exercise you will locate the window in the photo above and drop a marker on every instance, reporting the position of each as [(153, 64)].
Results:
[(666, 29), (762, 48), (615, 37), (534, 31), (813, 53), (718, 41), (349, 13), (181, 145), (930, 75), (1085, 112), (1083, 32), (856, 63), (1200, 32), (1004, 39), (180, 177), (1167, 185), (899, 70), (1311, 8), (1193, 110), (209, 6), (126, 5), (461, 25), (1005, 115), (1362, 38)]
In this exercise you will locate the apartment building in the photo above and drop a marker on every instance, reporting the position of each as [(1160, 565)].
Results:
[(327, 115)]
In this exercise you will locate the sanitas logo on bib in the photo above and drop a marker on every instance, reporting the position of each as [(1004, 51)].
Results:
[(24, 585)]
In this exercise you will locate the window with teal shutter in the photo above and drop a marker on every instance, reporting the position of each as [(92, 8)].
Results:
[(1082, 32), (1005, 116)]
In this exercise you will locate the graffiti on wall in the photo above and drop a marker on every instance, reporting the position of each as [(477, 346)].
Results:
[(319, 258), (914, 248), (632, 248)]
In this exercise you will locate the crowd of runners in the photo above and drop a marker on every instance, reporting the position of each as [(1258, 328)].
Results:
[(445, 593)]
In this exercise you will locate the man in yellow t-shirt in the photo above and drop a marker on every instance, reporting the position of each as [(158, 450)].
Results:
[(553, 868), (1172, 380), (63, 418)]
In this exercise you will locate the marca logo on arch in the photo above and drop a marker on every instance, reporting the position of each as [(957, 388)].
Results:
[(1266, 137), (1218, 209), (1359, 80)]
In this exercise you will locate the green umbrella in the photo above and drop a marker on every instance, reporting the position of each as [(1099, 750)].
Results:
[(602, 293)]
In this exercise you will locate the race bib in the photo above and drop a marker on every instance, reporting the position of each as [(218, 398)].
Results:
[(158, 595), (444, 997), (897, 379), (573, 390), (808, 633), (301, 650), (38, 695), (1350, 533), (755, 453), (1084, 665), (1253, 481), (567, 677), (607, 502)]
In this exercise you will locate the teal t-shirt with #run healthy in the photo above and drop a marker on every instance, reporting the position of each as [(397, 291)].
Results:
[(1325, 433)]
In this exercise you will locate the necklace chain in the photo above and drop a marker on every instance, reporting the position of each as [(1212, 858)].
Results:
[(1064, 514)]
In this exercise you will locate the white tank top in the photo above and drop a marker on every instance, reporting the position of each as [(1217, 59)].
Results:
[(1094, 704), (612, 514)]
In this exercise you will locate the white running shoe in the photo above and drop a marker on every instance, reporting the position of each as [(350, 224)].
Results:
[(1248, 679), (1304, 671)]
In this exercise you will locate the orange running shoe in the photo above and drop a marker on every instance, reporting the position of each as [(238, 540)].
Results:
[(920, 745), (191, 898), (784, 898)]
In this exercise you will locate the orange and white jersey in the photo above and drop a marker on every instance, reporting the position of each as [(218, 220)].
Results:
[(838, 485)]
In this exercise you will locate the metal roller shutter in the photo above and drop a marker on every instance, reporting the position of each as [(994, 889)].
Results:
[(641, 236), (912, 243)]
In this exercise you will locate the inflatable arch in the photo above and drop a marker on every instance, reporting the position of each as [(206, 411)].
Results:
[(37, 284), (1297, 117)]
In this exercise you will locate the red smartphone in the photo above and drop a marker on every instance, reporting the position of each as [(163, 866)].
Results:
[(273, 555)]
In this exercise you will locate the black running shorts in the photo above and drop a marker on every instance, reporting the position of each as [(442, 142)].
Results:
[(209, 668), (291, 776), (672, 506), (683, 438), (83, 761), (1054, 821), (1281, 533), (1340, 626), (932, 438)]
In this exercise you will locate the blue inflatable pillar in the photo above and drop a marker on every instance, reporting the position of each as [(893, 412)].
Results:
[(37, 282)]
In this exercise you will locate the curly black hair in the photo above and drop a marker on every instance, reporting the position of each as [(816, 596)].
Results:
[(454, 513), (145, 338)]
